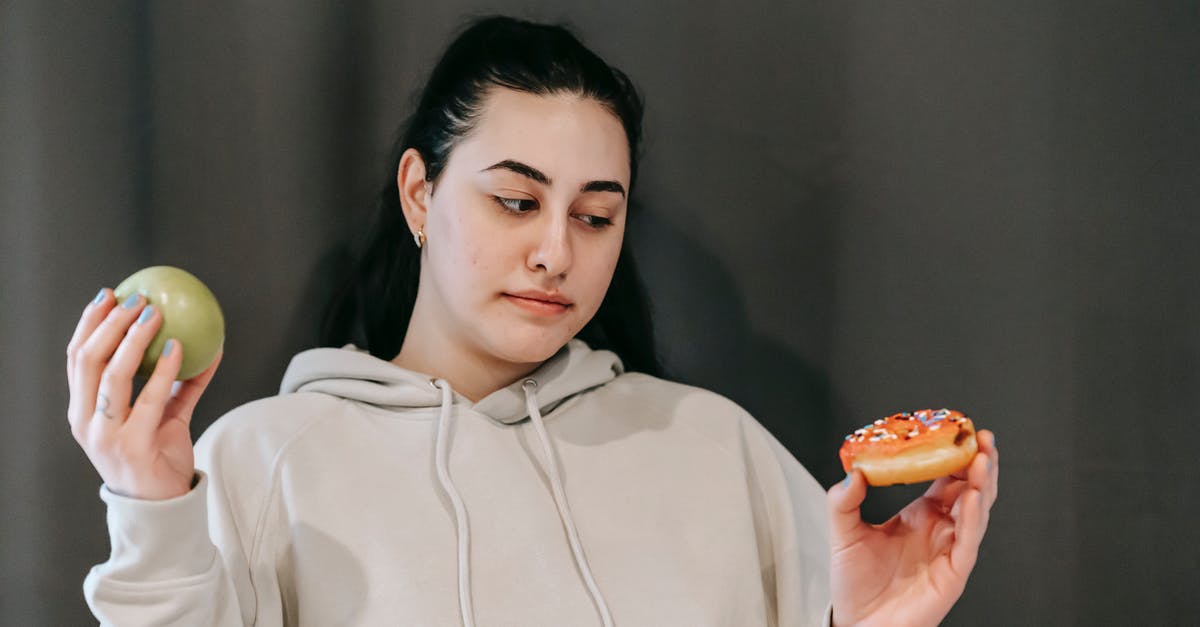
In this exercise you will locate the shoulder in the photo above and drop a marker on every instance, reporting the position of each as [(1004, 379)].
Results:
[(256, 433), (650, 392), (702, 413), (670, 406)]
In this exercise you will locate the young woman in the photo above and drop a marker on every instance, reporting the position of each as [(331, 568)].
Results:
[(498, 451)]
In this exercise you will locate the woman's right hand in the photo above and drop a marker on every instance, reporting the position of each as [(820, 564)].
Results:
[(143, 450)]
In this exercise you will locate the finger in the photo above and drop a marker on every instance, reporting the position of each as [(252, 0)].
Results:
[(844, 501), (946, 490), (968, 532), (987, 444), (942, 537), (187, 393), (93, 315), (116, 382), (979, 474), (152, 401), (80, 405), (96, 352)]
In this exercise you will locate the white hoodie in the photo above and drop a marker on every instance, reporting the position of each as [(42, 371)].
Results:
[(366, 494)]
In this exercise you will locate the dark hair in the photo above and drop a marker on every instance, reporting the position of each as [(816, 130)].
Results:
[(373, 306)]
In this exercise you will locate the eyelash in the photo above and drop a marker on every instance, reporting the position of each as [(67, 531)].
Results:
[(596, 222)]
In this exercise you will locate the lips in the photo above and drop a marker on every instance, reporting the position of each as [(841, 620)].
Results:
[(540, 303), (545, 297)]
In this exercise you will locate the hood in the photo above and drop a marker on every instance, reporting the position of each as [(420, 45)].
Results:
[(354, 374)]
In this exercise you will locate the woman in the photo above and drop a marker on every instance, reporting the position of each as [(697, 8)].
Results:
[(492, 456)]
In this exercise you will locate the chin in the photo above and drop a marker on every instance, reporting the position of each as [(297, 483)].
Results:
[(533, 347)]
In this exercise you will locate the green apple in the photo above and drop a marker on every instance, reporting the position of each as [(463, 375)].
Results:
[(190, 314)]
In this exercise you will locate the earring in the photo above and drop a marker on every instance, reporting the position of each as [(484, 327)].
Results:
[(419, 237)]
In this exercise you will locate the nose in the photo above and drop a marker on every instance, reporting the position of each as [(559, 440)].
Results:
[(551, 251)]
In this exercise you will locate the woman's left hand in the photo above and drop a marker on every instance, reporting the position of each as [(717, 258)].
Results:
[(911, 569)]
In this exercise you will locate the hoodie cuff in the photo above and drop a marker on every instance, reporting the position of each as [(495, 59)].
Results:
[(159, 540)]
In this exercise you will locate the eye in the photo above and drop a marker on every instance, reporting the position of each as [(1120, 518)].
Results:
[(515, 205), (596, 222)]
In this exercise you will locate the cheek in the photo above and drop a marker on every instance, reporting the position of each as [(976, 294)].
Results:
[(600, 273)]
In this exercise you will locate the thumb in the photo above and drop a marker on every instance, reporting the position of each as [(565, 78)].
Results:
[(845, 517)]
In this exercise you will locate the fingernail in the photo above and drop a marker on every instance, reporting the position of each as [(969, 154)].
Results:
[(149, 311), (99, 297), (167, 347), (130, 302), (989, 464), (846, 482)]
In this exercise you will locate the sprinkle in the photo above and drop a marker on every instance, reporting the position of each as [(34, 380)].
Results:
[(879, 422)]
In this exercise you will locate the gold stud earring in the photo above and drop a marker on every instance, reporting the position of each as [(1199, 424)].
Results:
[(419, 237)]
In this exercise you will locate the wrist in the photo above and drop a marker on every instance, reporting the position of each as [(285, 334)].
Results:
[(155, 493)]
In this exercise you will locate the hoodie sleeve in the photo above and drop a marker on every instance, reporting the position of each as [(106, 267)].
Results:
[(163, 569), (200, 560), (792, 526)]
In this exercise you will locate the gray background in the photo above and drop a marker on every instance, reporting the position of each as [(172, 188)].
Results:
[(850, 208)]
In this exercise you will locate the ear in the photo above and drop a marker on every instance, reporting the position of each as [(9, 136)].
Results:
[(414, 189)]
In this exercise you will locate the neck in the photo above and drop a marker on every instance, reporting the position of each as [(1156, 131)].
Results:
[(428, 351)]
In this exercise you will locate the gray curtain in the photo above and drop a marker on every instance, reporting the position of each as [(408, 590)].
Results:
[(849, 209)]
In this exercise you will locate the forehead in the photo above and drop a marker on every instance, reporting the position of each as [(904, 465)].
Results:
[(568, 137)]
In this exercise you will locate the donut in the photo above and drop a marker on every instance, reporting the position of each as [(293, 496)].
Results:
[(910, 447)]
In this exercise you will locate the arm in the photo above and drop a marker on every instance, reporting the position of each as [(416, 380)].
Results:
[(178, 552), (207, 558), (164, 569), (794, 533)]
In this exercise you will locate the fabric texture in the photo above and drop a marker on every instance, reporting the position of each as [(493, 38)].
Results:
[(367, 494)]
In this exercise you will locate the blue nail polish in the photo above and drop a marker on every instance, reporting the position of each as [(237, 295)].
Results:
[(99, 297), (146, 313), (167, 348), (989, 464), (846, 481), (130, 302)]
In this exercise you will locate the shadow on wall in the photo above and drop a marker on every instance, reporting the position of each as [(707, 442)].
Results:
[(705, 339)]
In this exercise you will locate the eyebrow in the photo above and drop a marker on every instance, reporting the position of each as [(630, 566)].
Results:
[(535, 174)]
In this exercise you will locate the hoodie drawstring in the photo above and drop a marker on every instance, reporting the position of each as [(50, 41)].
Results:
[(560, 499), (462, 530)]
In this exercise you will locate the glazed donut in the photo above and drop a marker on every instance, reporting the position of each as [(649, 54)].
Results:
[(910, 447)]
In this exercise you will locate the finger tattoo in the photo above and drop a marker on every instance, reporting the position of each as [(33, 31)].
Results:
[(102, 406)]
